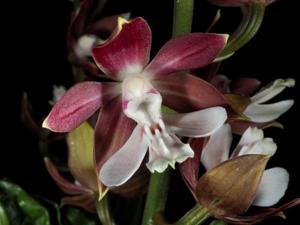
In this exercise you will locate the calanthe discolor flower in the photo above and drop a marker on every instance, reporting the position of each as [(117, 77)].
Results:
[(258, 112), (255, 110), (136, 96), (274, 181)]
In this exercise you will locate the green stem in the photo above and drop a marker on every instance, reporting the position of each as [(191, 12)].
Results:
[(103, 211), (182, 17), (218, 222), (197, 215), (159, 182), (249, 27), (157, 195)]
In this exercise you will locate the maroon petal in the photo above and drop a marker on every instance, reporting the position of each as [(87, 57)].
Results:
[(90, 67), (85, 201), (65, 185), (244, 86), (264, 214), (127, 51), (189, 169), (221, 82), (78, 104), (106, 25), (29, 122), (186, 52), (79, 17), (112, 130), (185, 93)]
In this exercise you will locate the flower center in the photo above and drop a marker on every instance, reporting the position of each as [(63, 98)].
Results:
[(141, 102), (135, 86)]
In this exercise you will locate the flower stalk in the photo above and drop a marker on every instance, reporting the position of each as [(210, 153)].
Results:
[(253, 17), (182, 17), (197, 215), (157, 195), (159, 182), (103, 211)]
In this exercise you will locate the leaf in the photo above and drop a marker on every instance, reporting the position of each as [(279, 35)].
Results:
[(78, 217), (56, 209), (230, 188), (35, 213), (3, 216)]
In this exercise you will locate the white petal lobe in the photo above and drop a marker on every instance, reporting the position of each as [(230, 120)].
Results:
[(272, 187)]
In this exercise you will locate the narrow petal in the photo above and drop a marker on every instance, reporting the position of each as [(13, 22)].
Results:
[(221, 82), (263, 214), (79, 20), (127, 52), (78, 104), (272, 187), (186, 93), (85, 201), (105, 25), (186, 52), (267, 112), (217, 148), (273, 89), (125, 162), (28, 120), (112, 130), (65, 185), (201, 123), (189, 169), (244, 86)]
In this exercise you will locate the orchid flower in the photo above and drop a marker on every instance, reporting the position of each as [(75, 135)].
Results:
[(257, 113), (243, 86), (260, 113), (86, 31), (86, 189), (137, 94), (274, 181)]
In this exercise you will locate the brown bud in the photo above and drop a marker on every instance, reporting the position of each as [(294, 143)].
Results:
[(230, 188)]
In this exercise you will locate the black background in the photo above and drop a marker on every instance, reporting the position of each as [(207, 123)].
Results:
[(35, 58)]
